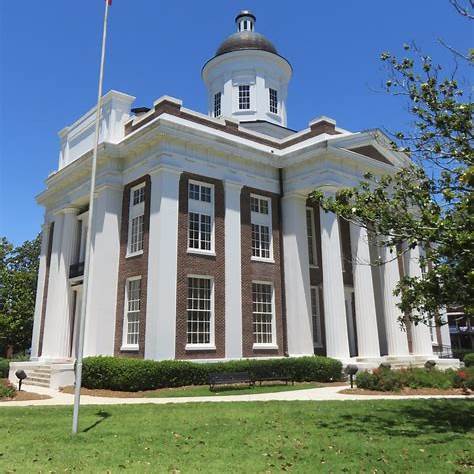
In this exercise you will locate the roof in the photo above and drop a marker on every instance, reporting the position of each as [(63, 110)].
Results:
[(243, 40)]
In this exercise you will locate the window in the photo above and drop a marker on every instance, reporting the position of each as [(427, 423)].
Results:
[(132, 313), (217, 104), (310, 230), (244, 97), (262, 308), (273, 101), (136, 220), (261, 220), (316, 317), (199, 309), (200, 217)]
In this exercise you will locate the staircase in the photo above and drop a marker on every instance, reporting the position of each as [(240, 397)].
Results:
[(39, 376)]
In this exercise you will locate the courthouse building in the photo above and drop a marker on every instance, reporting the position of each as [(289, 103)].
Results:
[(204, 243)]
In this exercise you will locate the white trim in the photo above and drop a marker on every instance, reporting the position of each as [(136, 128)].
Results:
[(257, 218), (211, 344), (134, 211), (201, 208), (273, 344), (125, 346), (313, 238)]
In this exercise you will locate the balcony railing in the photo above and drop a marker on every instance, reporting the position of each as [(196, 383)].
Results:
[(76, 270)]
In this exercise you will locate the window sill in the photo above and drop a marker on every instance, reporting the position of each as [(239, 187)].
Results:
[(210, 253), (261, 259), (129, 348), (200, 347), (134, 254), (244, 111), (274, 116), (315, 267), (264, 346)]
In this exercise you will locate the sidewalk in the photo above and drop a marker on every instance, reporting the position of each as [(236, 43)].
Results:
[(315, 394)]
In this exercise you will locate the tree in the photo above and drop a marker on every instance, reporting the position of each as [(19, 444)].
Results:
[(430, 202), (18, 278)]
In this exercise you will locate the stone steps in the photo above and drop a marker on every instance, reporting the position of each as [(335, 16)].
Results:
[(39, 376)]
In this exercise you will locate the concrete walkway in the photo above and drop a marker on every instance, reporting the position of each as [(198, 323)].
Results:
[(312, 394)]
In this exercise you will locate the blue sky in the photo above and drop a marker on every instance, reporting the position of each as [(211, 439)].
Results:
[(49, 52)]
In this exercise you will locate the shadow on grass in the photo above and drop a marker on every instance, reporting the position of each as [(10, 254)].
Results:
[(238, 388), (408, 420), (103, 415)]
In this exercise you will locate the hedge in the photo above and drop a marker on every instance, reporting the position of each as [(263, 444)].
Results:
[(4, 368), (132, 375), (469, 359), (385, 380)]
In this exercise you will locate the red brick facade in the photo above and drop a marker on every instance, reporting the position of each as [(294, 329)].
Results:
[(260, 271), (132, 266), (203, 265)]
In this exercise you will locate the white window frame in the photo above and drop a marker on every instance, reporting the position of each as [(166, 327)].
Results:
[(270, 100), (315, 263), (134, 211), (201, 207), (216, 106), (273, 344), (260, 219), (319, 343), (244, 109), (212, 344), (125, 345)]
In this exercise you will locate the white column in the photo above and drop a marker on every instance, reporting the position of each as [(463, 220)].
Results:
[(160, 337), (397, 342), (444, 328), (40, 290), (233, 272), (297, 282), (103, 273), (421, 338), (337, 341), (57, 326), (366, 317)]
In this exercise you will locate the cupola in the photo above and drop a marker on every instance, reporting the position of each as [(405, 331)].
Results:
[(247, 79)]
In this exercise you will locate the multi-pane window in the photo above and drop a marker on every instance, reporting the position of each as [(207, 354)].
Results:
[(136, 219), (316, 317), (217, 104), (273, 101), (132, 307), (262, 309), (261, 220), (311, 234), (199, 311), (200, 216), (244, 97)]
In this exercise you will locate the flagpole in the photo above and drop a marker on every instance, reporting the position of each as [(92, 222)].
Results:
[(82, 320)]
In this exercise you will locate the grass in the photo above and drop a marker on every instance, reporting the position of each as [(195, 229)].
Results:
[(340, 436), (203, 390)]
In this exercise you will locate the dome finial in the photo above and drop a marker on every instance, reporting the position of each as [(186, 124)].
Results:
[(245, 21)]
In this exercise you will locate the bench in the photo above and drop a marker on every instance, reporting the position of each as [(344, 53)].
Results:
[(229, 378), (274, 378)]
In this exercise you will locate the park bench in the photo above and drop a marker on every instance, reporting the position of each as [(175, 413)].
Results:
[(229, 378), (274, 378)]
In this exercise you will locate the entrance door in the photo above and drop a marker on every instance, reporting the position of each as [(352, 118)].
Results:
[(351, 324), (77, 303)]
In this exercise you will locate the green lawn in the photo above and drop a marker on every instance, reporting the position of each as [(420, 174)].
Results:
[(343, 436), (203, 390)]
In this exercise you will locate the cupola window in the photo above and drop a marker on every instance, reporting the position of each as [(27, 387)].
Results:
[(273, 101), (217, 104), (244, 97)]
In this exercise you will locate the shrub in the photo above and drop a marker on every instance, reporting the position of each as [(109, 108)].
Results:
[(132, 375), (4, 367), (7, 390), (469, 359), (463, 378), (394, 380)]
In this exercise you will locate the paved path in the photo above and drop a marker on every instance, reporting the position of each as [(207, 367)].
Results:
[(316, 394)]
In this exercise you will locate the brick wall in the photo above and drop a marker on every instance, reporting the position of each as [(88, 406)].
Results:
[(133, 266), (261, 271), (205, 265)]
